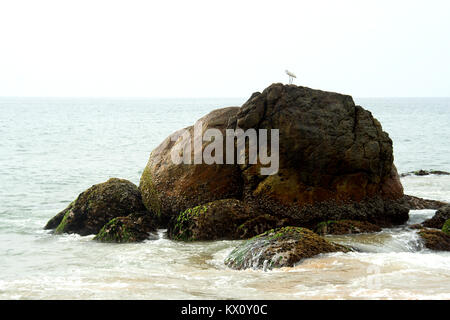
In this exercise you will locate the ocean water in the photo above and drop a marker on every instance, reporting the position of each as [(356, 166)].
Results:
[(53, 149)]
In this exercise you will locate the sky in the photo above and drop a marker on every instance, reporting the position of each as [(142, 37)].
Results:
[(130, 48)]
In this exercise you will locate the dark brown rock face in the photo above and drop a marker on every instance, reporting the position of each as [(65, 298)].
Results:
[(98, 205), (332, 154), (329, 148)]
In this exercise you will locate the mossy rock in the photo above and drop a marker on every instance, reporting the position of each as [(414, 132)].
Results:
[(282, 247), (227, 219), (446, 227), (132, 228), (96, 206), (149, 192), (435, 239), (345, 227), (54, 222), (211, 221)]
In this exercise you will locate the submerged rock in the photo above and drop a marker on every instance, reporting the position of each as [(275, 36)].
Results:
[(435, 239), (345, 227), (424, 173), (132, 228), (284, 247), (220, 220), (416, 203), (439, 218), (332, 154), (96, 206)]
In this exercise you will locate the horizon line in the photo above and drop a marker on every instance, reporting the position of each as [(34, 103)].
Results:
[(197, 97)]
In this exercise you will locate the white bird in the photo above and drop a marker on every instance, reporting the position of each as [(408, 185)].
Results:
[(291, 76)]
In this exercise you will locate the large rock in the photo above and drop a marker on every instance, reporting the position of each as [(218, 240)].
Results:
[(284, 247), (98, 205), (439, 218), (332, 154)]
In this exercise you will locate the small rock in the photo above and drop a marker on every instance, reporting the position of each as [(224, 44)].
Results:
[(416, 203), (132, 228), (283, 247), (424, 173), (96, 206), (219, 220), (345, 227), (435, 239), (439, 218), (415, 226)]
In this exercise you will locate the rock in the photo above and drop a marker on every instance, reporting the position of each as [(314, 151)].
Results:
[(345, 227), (284, 247), (220, 220), (416, 203), (214, 220), (98, 205), (424, 173), (261, 224), (446, 227), (439, 218), (132, 228), (168, 189), (332, 154), (435, 239), (381, 212)]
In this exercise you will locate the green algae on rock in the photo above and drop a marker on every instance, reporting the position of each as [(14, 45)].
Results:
[(96, 206), (54, 222), (282, 247), (132, 228), (446, 227), (345, 227)]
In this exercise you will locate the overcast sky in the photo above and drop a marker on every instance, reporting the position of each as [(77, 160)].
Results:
[(223, 49)]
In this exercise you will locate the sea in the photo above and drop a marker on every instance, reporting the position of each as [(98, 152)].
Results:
[(52, 149)]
